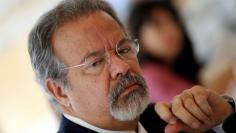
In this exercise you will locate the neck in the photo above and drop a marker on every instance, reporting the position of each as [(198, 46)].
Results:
[(106, 121)]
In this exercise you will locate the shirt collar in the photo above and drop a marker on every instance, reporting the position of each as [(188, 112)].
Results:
[(100, 130)]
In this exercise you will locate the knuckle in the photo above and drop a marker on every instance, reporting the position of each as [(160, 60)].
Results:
[(204, 118), (159, 106), (201, 100), (166, 115), (187, 91), (188, 103), (189, 120), (176, 97), (201, 92), (177, 108), (184, 91), (197, 89)]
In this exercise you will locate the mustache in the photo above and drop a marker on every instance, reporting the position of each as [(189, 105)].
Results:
[(123, 82)]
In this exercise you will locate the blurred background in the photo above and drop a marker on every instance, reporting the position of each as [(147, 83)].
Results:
[(24, 108)]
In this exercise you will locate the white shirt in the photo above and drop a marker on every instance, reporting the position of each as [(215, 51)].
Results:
[(100, 130)]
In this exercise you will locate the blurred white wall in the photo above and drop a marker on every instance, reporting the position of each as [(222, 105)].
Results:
[(208, 21), (23, 106)]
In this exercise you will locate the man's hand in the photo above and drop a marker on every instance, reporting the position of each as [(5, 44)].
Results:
[(194, 110)]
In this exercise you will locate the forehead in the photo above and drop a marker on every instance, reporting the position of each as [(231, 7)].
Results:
[(95, 31)]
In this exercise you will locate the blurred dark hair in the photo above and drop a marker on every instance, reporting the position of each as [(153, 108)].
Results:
[(185, 64)]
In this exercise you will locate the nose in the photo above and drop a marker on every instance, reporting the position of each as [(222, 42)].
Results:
[(118, 67)]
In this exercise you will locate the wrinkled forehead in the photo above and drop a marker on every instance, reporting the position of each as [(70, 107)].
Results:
[(101, 31), (97, 31)]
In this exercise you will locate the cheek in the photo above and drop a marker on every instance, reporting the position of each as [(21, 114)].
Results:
[(96, 86), (134, 66), (88, 85), (90, 92), (100, 91)]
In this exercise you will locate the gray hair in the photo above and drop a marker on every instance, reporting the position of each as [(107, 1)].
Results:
[(44, 62)]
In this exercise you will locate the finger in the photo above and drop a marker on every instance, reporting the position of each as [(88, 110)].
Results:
[(181, 113), (193, 108), (164, 111), (200, 96), (173, 128), (181, 127)]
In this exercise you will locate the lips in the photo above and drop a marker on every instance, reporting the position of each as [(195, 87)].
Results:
[(129, 88)]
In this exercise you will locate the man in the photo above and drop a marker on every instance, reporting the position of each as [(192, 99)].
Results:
[(83, 57)]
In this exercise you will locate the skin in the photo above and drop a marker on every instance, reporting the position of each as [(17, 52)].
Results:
[(162, 36), (71, 42), (234, 72)]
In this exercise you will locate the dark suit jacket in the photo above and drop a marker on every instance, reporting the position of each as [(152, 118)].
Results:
[(149, 119)]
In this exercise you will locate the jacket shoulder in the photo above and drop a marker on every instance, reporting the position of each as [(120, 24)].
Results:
[(67, 126), (151, 121)]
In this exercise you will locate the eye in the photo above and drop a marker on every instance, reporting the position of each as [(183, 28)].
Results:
[(96, 62), (124, 50)]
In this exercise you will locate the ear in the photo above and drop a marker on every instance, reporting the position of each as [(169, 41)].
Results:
[(58, 92)]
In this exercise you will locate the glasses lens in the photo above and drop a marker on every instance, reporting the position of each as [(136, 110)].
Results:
[(128, 49), (95, 65)]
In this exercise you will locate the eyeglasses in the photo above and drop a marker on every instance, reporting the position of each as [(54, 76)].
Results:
[(126, 49)]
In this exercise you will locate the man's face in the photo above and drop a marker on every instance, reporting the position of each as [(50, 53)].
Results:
[(117, 90)]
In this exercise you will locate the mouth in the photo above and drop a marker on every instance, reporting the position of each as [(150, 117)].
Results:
[(129, 88)]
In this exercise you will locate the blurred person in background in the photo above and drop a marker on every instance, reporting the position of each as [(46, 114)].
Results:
[(167, 58), (219, 73)]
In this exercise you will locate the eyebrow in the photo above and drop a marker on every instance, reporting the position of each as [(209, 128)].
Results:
[(121, 41), (88, 55), (98, 52)]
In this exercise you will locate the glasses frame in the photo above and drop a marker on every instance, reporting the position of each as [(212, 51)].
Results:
[(135, 41)]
